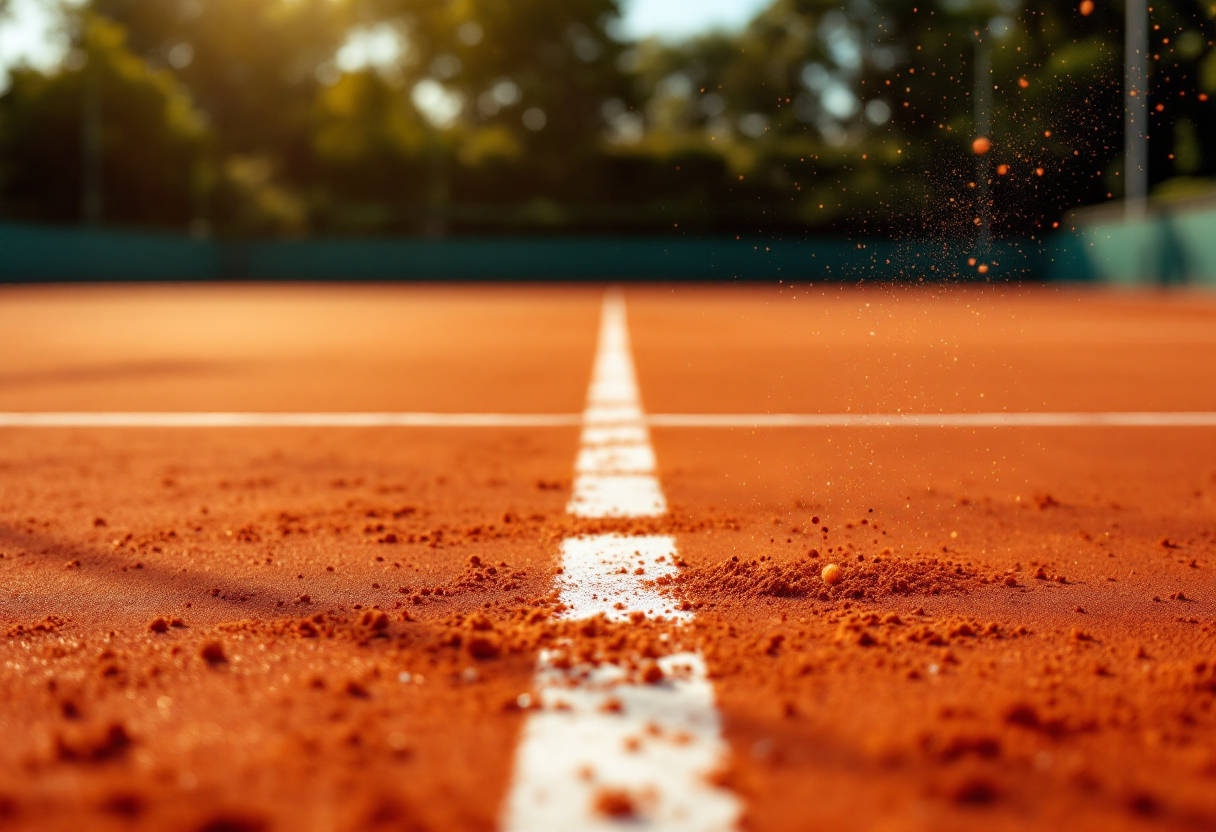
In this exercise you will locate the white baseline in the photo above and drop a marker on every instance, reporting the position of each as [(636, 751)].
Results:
[(603, 423)]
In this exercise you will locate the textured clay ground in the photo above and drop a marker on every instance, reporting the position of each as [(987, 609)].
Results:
[(329, 629)]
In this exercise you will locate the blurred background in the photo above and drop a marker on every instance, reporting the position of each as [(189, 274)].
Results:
[(781, 122)]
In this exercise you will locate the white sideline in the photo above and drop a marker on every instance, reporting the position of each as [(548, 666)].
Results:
[(593, 728), (605, 425), (933, 420), (288, 420)]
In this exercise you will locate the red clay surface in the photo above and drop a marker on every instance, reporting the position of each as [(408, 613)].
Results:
[(1063, 674)]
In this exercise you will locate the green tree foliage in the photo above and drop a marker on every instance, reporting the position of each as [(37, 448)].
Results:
[(357, 116), (149, 161), (255, 68), (867, 109), (250, 64), (491, 104)]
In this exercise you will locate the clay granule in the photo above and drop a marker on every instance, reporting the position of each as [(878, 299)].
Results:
[(743, 579)]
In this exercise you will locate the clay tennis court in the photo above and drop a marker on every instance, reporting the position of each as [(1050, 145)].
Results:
[(341, 588)]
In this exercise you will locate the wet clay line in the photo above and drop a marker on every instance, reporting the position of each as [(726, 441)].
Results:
[(609, 422), (579, 765)]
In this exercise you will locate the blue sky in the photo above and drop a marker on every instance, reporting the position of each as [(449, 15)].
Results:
[(26, 35), (680, 18), (29, 35)]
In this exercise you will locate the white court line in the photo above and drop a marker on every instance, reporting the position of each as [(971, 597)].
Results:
[(614, 477), (674, 735), (604, 425), (596, 729), (617, 495), (932, 420), (288, 420), (599, 576), (623, 459)]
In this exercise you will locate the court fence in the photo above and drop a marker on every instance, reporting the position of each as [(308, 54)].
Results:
[(1167, 247), (1174, 243)]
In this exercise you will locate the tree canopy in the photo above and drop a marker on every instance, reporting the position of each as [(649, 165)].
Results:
[(443, 116)]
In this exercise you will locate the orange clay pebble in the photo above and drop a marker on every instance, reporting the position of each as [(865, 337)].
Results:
[(615, 803), (832, 574)]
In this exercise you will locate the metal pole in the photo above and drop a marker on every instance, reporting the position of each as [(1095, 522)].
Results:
[(1135, 94), (436, 224), (983, 128), (91, 149)]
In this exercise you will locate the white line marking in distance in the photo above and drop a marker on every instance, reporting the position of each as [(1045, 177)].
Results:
[(617, 495), (596, 730), (613, 414), (289, 420), (932, 420), (627, 435), (605, 425), (620, 459), (617, 479)]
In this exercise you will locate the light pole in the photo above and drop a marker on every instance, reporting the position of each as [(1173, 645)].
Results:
[(1135, 96), (983, 138), (995, 29), (91, 156)]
